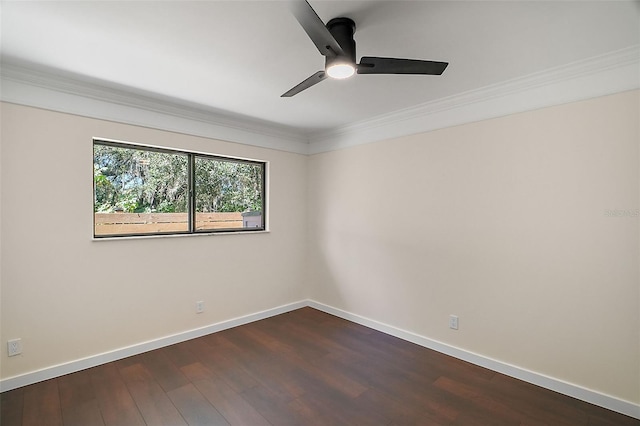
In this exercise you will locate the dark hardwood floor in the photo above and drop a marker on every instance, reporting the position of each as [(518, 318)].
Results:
[(301, 368)]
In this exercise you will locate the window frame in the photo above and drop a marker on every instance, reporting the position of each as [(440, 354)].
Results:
[(191, 201)]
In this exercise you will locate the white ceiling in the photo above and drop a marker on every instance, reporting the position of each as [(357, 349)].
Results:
[(240, 56)]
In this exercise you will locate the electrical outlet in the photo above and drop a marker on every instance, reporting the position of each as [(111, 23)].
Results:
[(199, 307), (14, 347), (453, 322)]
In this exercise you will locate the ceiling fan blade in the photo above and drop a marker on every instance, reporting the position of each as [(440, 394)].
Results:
[(315, 28), (374, 65), (314, 79)]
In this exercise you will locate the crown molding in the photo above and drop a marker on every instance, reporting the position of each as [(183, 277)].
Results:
[(602, 75), (27, 84), (45, 88)]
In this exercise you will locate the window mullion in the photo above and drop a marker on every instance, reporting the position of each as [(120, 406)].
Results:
[(192, 193)]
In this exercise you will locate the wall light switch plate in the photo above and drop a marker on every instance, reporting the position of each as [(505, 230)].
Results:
[(14, 347), (453, 322)]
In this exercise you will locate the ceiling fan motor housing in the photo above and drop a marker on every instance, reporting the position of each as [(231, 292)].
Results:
[(342, 29)]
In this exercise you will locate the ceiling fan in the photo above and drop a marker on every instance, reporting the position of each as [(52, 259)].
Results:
[(335, 42)]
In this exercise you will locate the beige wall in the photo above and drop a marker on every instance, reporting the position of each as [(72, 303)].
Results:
[(69, 297), (503, 223)]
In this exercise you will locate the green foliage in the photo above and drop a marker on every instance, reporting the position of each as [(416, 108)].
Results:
[(226, 186), (134, 180)]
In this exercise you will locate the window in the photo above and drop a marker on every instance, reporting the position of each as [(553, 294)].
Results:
[(140, 190)]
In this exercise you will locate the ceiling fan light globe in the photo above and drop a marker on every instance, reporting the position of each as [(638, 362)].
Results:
[(341, 71)]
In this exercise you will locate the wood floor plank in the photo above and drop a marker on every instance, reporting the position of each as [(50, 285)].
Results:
[(325, 399), (198, 371), (116, 403), (313, 415), (340, 382), (75, 389), (223, 366), (272, 406), (264, 338), (180, 355), (195, 409), (11, 407), (480, 402), (154, 404), (78, 401), (230, 404), (440, 406), (223, 397), (335, 379), (305, 345), (164, 372), (398, 412), (268, 369), (42, 405), (83, 414)]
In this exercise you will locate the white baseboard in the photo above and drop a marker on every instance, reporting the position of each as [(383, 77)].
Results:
[(103, 358), (606, 401)]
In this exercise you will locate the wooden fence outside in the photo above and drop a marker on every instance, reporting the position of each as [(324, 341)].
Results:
[(149, 223)]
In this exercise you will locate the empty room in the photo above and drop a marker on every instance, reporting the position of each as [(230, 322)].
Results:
[(320, 213)]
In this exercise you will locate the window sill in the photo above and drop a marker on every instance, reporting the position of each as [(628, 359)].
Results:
[(204, 234)]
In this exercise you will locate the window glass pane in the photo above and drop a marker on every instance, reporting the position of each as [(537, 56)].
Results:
[(139, 191), (229, 194)]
